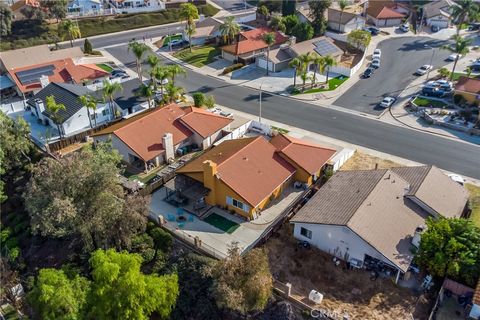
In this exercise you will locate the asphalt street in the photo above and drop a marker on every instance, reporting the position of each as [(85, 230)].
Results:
[(401, 57), (422, 147)]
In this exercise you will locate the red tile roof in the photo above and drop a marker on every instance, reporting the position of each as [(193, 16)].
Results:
[(253, 40), (65, 71), (203, 122), (468, 85), (384, 12), (308, 156)]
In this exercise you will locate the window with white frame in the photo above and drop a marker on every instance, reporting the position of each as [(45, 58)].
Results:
[(306, 233), (237, 204)]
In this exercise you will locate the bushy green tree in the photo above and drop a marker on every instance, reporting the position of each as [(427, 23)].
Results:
[(359, 38), (303, 31), (317, 13), (290, 22), (451, 248), (198, 99), (5, 20), (288, 7), (210, 102), (87, 46), (56, 9)]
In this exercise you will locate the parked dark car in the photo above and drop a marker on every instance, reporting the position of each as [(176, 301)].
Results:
[(373, 31), (368, 72), (434, 92), (117, 71)]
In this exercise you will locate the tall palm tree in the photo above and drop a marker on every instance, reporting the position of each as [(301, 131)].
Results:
[(90, 103), (269, 39), (173, 94), (304, 76), (138, 50), (229, 29), (329, 62), (319, 64), (305, 60), (146, 91), (342, 4), (296, 64), (109, 90), (70, 30), (161, 73), (188, 13), (53, 108), (460, 47), (176, 70), (152, 61), (463, 9)]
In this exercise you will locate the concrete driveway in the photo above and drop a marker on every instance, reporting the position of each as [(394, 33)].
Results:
[(401, 57)]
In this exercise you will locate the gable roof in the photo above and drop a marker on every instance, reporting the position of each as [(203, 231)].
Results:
[(203, 122), (384, 12), (64, 93), (253, 40), (127, 97), (308, 156), (439, 7), (321, 45), (469, 85), (337, 16), (207, 27), (249, 166)]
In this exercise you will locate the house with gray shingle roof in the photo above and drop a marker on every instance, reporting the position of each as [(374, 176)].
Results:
[(378, 215)]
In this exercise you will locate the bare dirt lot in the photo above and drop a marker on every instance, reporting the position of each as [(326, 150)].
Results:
[(345, 291), (363, 161)]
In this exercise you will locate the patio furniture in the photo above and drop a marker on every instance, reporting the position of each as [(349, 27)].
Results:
[(179, 211), (170, 217), (181, 225)]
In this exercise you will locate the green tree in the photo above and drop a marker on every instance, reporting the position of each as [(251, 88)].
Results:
[(288, 7), (175, 70), (188, 13), (277, 24), (451, 248), (139, 50), (80, 197), (173, 94), (463, 10), (359, 39), (243, 282), (90, 103), (121, 291), (229, 29), (162, 240), (329, 62), (198, 99), (319, 64), (87, 46), (303, 31), (53, 108), (342, 4), (296, 64), (469, 71), (70, 30), (444, 72), (146, 91), (161, 75), (56, 9), (263, 11), (5, 20), (56, 296), (15, 147), (269, 39), (290, 22), (153, 61), (460, 47), (317, 13), (108, 93), (210, 102), (305, 60)]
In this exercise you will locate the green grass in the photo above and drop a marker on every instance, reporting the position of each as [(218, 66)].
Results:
[(474, 202), (143, 177), (425, 102), (167, 39), (457, 75), (333, 84), (281, 130), (200, 56), (221, 223), (105, 67)]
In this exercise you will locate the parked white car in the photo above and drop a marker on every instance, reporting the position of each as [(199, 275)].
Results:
[(404, 27), (423, 69), (458, 179), (387, 102), (375, 63), (453, 57), (377, 54)]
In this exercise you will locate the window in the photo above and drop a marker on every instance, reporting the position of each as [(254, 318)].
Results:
[(237, 204), (105, 112), (306, 233)]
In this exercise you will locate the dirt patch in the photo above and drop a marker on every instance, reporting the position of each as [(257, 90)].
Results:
[(363, 161), (349, 291)]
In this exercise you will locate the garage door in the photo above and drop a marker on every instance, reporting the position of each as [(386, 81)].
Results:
[(439, 23), (262, 63)]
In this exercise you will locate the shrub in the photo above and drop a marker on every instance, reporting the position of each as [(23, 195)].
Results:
[(458, 99), (231, 68), (210, 102), (5, 234), (198, 99), (87, 46)]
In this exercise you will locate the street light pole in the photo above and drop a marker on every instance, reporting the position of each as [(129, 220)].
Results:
[(431, 60), (260, 104)]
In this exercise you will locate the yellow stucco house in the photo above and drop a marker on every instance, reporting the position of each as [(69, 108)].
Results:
[(468, 88), (244, 175)]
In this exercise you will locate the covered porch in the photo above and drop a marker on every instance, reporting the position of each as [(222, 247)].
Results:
[(183, 191)]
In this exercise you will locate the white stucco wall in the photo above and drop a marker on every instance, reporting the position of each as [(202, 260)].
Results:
[(117, 144), (439, 21), (385, 22), (339, 241), (77, 122)]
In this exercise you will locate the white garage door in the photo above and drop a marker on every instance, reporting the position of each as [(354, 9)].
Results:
[(262, 63), (439, 23)]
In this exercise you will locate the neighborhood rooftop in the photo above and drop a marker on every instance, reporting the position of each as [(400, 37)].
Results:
[(253, 40)]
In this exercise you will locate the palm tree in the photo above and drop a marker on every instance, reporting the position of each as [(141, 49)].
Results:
[(342, 4), (319, 63), (304, 76), (175, 70), (89, 102), (147, 92), (329, 62), (188, 13), (296, 64), (53, 108), (109, 90), (460, 47), (138, 50), (152, 61), (469, 71), (161, 73), (229, 29), (462, 10), (70, 30), (305, 60), (269, 39), (443, 72), (173, 93)]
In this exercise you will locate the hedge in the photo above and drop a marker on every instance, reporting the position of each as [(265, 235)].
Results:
[(231, 68)]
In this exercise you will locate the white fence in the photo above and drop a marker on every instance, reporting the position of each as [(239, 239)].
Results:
[(348, 71)]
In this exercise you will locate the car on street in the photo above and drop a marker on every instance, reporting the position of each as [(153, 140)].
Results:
[(377, 54), (118, 71), (375, 63), (404, 27), (387, 102), (453, 57), (423, 69), (373, 31), (368, 72)]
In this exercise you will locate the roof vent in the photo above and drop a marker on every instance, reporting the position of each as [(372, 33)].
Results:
[(245, 158)]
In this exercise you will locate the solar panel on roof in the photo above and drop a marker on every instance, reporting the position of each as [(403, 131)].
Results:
[(34, 75), (324, 47)]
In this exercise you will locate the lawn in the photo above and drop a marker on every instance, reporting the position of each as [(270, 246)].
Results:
[(333, 84), (200, 56), (221, 223), (105, 67), (457, 75), (425, 102), (474, 202), (143, 177)]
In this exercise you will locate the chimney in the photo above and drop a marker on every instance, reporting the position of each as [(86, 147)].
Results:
[(292, 40), (376, 165), (40, 107), (167, 142), (418, 235), (44, 81), (209, 180)]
